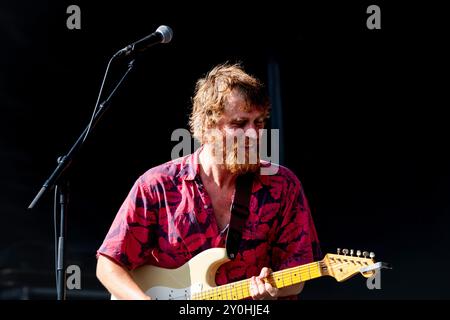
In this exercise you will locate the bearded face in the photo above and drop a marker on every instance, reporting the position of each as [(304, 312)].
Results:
[(236, 150), (235, 137)]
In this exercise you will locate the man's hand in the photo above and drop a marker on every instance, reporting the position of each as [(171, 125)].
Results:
[(261, 289)]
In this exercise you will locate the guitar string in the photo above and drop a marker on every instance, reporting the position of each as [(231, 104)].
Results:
[(284, 276), (243, 284), (217, 291)]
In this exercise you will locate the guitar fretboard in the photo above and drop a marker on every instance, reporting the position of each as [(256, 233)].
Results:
[(279, 279)]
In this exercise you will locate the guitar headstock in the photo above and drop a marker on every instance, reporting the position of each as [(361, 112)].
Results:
[(345, 264)]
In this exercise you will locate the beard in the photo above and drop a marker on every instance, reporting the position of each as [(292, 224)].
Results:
[(238, 156), (241, 159)]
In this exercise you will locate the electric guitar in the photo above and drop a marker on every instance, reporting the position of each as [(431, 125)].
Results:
[(195, 280)]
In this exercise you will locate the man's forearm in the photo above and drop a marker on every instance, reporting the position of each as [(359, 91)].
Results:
[(118, 281)]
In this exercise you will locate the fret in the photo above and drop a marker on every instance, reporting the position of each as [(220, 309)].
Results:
[(224, 292), (220, 295), (244, 285), (227, 292), (247, 289), (309, 271), (216, 293), (233, 291)]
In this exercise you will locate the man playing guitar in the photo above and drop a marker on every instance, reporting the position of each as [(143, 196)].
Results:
[(181, 208)]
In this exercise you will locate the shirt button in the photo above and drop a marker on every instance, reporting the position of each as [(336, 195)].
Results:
[(205, 206)]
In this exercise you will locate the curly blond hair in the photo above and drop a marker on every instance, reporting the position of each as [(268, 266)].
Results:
[(211, 92)]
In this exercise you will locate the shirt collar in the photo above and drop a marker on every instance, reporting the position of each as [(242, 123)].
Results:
[(261, 180), (190, 166)]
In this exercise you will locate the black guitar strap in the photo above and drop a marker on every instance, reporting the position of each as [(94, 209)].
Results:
[(239, 212)]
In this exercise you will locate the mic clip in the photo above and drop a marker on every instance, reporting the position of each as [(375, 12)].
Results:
[(124, 52)]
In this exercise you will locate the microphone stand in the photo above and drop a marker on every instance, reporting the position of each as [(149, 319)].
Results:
[(58, 180)]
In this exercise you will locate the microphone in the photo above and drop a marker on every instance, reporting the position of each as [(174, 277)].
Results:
[(162, 35)]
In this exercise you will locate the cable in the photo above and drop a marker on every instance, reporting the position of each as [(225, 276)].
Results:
[(98, 99)]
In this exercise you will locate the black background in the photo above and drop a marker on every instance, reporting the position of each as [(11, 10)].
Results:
[(364, 126)]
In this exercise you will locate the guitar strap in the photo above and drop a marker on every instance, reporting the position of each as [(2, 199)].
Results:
[(239, 213)]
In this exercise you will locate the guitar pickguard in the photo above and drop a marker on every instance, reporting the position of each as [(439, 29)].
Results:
[(165, 293)]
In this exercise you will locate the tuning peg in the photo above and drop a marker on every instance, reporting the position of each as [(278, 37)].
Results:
[(365, 254), (345, 251), (338, 250), (351, 252), (358, 253), (372, 255)]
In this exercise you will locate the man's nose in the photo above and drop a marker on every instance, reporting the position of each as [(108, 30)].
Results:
[(251, 131)]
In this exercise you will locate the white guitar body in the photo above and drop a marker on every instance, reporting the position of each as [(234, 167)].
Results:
[(195, 276)]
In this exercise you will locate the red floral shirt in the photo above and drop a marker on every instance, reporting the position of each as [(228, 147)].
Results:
[(168, 218)]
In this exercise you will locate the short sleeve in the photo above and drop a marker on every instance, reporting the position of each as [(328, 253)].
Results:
[(296, 242), (132, 235)]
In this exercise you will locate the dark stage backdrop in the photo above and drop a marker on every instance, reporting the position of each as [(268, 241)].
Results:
[(362, 120)]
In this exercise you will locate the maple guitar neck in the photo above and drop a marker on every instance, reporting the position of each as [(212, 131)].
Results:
[(278, 279)]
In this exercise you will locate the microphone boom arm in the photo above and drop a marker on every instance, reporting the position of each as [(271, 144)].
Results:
[(65, 161)]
